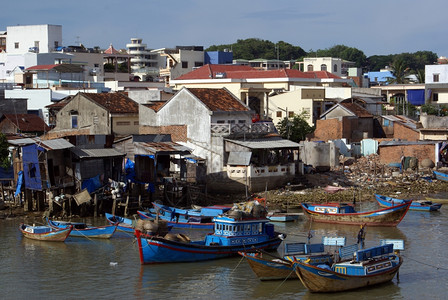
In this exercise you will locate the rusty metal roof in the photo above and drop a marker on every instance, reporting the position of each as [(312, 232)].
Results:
[(145, 148)]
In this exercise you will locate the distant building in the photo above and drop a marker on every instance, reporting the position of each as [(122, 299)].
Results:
[(144, 63), (33, 38), (336, 66), (218, 57)]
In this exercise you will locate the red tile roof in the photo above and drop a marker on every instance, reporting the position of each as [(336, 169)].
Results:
[(117, 103), (111, 50), (323, 74), (218, 99), (359, 111), (60, 104), (242, 72), (155, 106), (27, 122)]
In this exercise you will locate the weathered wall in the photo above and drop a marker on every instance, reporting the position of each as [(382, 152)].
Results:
[(429, 121), (393, 154), (405, 133), (90, 115), (319, 154)]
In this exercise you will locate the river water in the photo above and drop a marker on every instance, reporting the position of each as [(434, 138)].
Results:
[(99, 269)]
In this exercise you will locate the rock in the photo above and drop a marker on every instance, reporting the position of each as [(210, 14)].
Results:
[(427, 163)]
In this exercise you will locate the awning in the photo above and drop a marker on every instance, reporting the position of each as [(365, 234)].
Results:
[(266, 144), (96, 153)]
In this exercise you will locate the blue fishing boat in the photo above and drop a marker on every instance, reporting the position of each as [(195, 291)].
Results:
[(268, 266), (200, 218), (420, 205), (123, 224), (440, 176), (341, 213), (367, 267), (282, 217), (231, 234), (83, 230)]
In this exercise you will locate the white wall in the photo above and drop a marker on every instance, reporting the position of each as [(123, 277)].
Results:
[(26, 35), (442, 70)]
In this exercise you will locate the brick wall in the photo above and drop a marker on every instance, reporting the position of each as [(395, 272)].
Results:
[(392, 154), (327, 130), (178, 132), (405, 133)]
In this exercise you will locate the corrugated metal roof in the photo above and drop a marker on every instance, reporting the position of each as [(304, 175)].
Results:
[(406, 143), (56, 144), (266, 143), (161, 147), (96, 153)]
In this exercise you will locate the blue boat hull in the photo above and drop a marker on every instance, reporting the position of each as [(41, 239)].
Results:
[(386, 201), (190, 225), (159, 250), (124, 224), (440, 176), (101, 232)]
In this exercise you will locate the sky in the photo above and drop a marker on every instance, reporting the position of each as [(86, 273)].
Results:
[(379, 27)]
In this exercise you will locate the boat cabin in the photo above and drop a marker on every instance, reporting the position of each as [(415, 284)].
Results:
[(229, 231), (333, 208), (38, 229)]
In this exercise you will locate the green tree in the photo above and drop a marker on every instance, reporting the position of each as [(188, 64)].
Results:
[(296, 128), (400, 71), (5, 161)]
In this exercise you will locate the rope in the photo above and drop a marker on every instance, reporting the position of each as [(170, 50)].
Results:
[(426, 264), (287, 277)]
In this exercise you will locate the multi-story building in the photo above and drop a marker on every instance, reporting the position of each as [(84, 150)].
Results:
[(144, 63), (33, 38), (335, 66)]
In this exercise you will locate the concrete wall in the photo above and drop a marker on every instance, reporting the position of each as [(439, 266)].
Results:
[(88, 112), (125, 124), (319, 154), (26, 35), (144, 96), (430, 121)]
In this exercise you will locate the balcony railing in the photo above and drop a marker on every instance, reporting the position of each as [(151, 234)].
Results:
[(258, 127)]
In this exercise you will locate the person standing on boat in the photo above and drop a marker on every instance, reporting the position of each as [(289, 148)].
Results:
[(361, 236)]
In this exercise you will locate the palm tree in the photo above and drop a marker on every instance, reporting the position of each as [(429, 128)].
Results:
[(400, 71)]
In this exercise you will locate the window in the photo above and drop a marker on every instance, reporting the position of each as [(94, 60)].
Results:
[(36, 44), (16, 45), (291, 114), (435, 77), (335, 68), (241, 121), (198, 64), (56, 44), (184, 64), (220, 122), (96, 65), (136, 123), (310, 68), (74, 120), (323, 67), (435, 97), (231, 121), (279, 114), (123, 123)]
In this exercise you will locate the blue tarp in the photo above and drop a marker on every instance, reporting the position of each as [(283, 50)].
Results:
[(129, 170), (19, 183), (7, 173), (91, 184), (416, 97), (31, 170)]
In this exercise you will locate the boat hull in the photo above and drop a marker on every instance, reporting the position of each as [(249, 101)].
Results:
[(97, 232), (384, 217), (440, 176), (386, 201), (124, 225), (320, 280), (154, 250), (266, 269), (55, 235)]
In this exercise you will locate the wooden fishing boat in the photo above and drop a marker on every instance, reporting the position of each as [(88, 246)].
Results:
[(231, 234), (420, 205), (268, 266), (368, 267), (200, 218), (340, 213), (123, 224), (45, 233), (440, 176), (83, 230), (282, 216)]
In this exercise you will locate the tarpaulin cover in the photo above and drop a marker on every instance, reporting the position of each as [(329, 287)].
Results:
[(31, 170), (129, 170), (416, 97), (7, 173), (91, 184), (19, 183)]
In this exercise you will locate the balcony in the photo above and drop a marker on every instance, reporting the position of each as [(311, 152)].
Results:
[(226, 128)]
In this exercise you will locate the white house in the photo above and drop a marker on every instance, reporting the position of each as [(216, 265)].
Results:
[(436, 84), (21, 39)]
